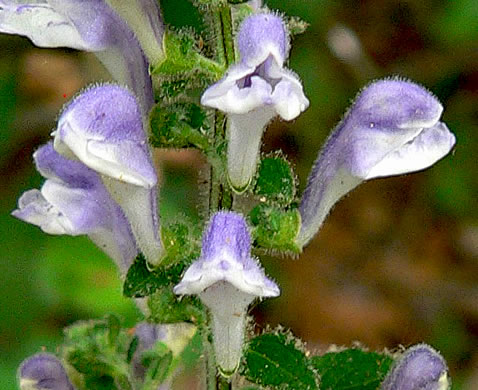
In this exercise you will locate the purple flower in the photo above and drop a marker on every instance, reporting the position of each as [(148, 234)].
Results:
[(90, 25), (392, 128), (103, 129), (419, 368), (43, 371), (254, 91), (227, 280), (74, 201)]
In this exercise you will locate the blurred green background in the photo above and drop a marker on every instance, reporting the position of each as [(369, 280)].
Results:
[(395, 263)]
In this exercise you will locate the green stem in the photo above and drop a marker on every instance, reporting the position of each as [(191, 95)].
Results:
[(209, 361), (227, 34)]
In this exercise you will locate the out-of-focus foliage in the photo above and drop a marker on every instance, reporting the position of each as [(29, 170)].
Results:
[(395, 263)]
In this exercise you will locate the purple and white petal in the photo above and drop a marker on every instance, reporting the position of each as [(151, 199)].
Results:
[(419, 368), (43, 371), (227, 280), (226, 256), (74, 201), (90, 25), (261, 36), (103, 128), (254, 91), (392, 128)]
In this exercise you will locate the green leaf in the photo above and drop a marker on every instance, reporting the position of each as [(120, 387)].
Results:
[(158, 366), (275, 180), (166, 307), (351, 369), (179, 126), (100, 383), (275, 229), (182, 56), (141, 282), (114, 328), (132, 349), (276, 359)]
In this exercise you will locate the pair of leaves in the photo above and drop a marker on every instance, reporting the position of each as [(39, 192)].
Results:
[(275, 220), (277, 360)]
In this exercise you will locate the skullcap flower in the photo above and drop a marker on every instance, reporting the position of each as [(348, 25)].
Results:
[(74, 201), (227, 280), (103, 129), (254, 91), (392, 128)]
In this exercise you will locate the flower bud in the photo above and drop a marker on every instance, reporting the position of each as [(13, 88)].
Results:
[(419, 368), (43, 371)]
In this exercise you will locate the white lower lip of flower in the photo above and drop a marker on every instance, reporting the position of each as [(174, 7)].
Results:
[(244, 135), (228, 308), (417, 154)]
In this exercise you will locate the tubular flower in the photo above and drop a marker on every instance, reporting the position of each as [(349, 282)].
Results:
[(392, 128), (90, 25), (43, 371), (419, 368), (227, 280), (74, 201), (109, 138), (254, 91)]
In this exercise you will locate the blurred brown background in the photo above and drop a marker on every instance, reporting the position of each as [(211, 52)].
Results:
[(396, 261)]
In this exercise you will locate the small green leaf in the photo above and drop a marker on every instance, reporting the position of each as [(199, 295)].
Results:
[(275, 359), (114, 328), (157, 367), (182, 56), (296, 25), (132, 349), (275, 180), (140, 282), (179, 126), (275, 229), (100, 383), (166, 307), (351, 369)]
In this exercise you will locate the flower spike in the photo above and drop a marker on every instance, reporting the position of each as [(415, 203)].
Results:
[(103, 129), (43, 371), (227, 280), (90, 25), (74, 201), (254, 91), (419, 368), (392, 128)]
